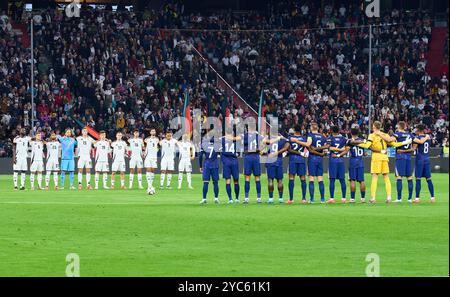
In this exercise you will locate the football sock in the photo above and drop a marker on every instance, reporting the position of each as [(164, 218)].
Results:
[(418, 187), (63, 177), (311, 190), (147, 176), (280, 191), (71, 178), (88, 178), (247, 188), (258, 188), (131, 180), (237, 189), (189, 179), (32, 180), (205, 189), (96, 178), (332, 185), (169, 179), (112, 180), (363, 194), (322, 191), (216, 189), (15, 179), (139, 179), (430, 187), (55, 178), (162, 178), (373, 186), (228, 189), (271, 195), (22, 179), (343, 188), (352, 195), (47, 178), (387, 181), (303, 189), (80, 178), (151, 178), (410, 189), (105, 179), (291, 189), (180, 179), (40, 180), (399, 189)]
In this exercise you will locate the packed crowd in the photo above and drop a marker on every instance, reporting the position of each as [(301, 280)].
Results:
[(125, 70)]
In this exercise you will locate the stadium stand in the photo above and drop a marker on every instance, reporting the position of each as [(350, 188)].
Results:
[(125, 70)]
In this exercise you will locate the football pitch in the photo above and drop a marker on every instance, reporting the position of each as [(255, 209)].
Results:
[(128, 233)]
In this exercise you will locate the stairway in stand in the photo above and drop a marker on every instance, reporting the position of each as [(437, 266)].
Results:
[(21, 30), (435, 54)]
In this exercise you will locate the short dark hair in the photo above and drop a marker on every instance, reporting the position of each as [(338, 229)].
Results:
[(335, 129), (421, 127), (298, 128), (355, 131), (102, 132), (135, 130)]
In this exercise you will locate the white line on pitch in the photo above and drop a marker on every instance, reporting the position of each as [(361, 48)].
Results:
[(73, 203)]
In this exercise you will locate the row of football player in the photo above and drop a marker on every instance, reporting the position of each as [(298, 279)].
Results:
[(298, 147), (65, 146), (306, 153)]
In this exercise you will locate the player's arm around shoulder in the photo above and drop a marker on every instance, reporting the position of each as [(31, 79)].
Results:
[(422, 140), (366, 143)]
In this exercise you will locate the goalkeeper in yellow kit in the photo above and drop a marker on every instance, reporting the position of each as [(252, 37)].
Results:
[(378, 142)]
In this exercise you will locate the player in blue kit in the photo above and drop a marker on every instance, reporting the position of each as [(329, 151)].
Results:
[(317, 145), (336, 168), (297, 162), (230, 166), (274, 165), (422, 144), (403, 162), (252, 165), (68, 144), (356, 165), (210, 170)]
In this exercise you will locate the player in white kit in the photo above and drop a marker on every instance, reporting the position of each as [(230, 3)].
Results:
[(84, 143), (168, 149), (37, 160), (53, 152), (187, 153), (136, 148), (101, 159), (151, 157), (21, 143), (118, 164)]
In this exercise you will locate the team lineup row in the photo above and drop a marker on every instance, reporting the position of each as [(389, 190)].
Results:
[(305, 152)]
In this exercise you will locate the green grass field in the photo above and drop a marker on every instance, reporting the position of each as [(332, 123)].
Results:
[(128, 233)]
